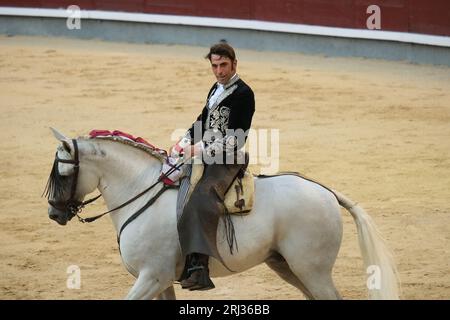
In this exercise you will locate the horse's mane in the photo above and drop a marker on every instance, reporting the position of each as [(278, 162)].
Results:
[(57, 184), (158, 153)]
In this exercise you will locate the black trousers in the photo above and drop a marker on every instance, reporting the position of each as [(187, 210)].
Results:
[(197, 226)]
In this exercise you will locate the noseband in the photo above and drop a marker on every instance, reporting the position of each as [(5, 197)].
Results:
[(73, 206)]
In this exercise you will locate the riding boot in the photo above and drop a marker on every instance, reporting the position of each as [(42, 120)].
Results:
[(198, 273)]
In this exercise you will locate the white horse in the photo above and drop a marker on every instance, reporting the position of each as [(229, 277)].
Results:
[(295, 225)]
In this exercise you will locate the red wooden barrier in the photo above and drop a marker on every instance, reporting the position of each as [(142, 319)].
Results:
[(417, 16)]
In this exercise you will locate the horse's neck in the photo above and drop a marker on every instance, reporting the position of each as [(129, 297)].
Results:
[(125, 172)]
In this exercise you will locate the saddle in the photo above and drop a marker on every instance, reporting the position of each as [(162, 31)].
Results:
[(238, 198)]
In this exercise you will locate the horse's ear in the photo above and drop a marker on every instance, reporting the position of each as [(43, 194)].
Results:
[(65, 141), (58, 135)]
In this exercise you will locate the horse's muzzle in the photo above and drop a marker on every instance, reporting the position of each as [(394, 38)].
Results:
[(57, 215)]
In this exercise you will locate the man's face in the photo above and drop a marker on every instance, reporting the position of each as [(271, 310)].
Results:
[(223, 68)]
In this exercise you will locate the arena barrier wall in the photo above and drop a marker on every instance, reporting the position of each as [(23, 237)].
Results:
[(405, 34)]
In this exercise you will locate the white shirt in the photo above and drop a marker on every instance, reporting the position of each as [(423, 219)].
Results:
[(220, 88)]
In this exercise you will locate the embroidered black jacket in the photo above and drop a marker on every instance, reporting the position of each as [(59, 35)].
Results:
[(224, 126)]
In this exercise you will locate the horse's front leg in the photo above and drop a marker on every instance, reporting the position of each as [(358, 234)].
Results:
[(149, 286)]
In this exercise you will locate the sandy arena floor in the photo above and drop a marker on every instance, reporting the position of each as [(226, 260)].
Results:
[(377, 131)]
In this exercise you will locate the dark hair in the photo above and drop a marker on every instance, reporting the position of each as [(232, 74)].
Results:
[(222, 49)]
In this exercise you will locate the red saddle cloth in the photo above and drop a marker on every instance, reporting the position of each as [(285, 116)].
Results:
[(101, 133)]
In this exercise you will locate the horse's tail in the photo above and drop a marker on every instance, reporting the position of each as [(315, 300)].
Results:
[(378, 260)]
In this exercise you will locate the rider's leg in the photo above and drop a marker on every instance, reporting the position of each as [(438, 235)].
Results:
[(199, 224)]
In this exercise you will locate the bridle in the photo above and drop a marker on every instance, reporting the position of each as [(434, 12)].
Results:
[(74, 207)]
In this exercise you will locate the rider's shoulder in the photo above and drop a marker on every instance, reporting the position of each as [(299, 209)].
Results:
[(243, 88)]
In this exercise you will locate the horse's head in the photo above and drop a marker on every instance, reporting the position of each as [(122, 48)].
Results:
[(69, 181)]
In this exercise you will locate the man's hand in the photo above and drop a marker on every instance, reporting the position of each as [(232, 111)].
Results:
[(172, 152), (177, 149), (192, 151)]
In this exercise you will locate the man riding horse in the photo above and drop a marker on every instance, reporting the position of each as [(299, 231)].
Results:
[(218, 135)]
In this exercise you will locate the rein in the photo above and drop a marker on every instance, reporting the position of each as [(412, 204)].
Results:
[(141, 210), (92, 219)]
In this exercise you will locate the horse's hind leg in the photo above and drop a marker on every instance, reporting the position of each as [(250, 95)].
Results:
[(148, 286), (278, 264), (314, 284), (321, 286), (168, 294), (318, 282)]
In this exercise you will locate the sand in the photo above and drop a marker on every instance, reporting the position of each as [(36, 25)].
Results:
[(375, 130)]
